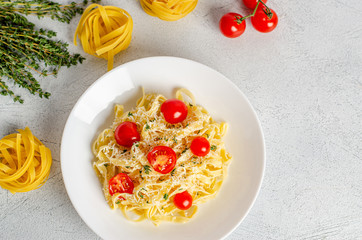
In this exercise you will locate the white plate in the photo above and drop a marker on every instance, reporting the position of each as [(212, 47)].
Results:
[(225, 102)]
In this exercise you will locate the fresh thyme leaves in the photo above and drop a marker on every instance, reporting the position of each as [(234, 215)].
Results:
[(124, 150), (147, 169), (25, 50), (118, 202), (213, 147), (106, 165), (127, 166), (173, 171), (184, 150), (165, 196), (130, 114), (147, 127), (174, 139), (140, 194)]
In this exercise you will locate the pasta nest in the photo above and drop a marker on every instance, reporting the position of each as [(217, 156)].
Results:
[(168, 10), (104, 31)]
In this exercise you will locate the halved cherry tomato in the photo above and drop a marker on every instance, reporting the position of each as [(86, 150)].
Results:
[(200, 146), (162, 159), (121, 183), (183, 200), (126, 134), (231, 25), (174, 111), (264, 23), (251, 4)]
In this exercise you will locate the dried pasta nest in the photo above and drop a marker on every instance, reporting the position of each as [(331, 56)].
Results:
[(168, 10)]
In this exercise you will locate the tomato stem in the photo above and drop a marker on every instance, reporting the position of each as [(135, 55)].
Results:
[(267, 11)]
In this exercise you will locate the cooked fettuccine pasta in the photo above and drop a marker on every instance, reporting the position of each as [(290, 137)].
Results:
[(150, 194)]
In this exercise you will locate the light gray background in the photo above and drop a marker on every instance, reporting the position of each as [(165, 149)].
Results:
[(304, 80)]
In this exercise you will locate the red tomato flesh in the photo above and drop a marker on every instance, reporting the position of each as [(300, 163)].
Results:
[(200, 146), (121, 183), (162, 159), (183, 200), (126, 134), (263, 23), (230, 26), (174, 111), (251, 4)]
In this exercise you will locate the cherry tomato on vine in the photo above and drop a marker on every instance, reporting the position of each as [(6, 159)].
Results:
[(162, 159), (174, 111), (183, 200), (232, 25), (265, 22), (251, 4), (200, 146), (126, 134), (121, 183)]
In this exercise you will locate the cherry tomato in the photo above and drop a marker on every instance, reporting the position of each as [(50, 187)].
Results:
[(200, 146), (126, 134), (251, 4), (231, 25), (262, 22), (162, 159), (121, 183), (174, 111), (183, 200)]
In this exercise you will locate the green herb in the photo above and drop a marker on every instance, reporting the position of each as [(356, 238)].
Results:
[(130, 114), (184, 150), (140, 194), (147, 169), (191, 105), (125, 150), (182, 165), (165, 196), (106, 165), (118, 202), (147, 127), (187, 125), (25, 50), (173, 171), (42, 8), (174, 139), (213, 147), (147, 202), (198, 132), (166, 139), (207, 135), (127, 166), (137, 144)]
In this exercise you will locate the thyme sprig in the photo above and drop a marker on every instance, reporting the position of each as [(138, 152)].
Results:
[(41, 8), (25, 51)]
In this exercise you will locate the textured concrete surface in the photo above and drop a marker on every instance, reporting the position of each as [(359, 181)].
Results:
[(304, 80)]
